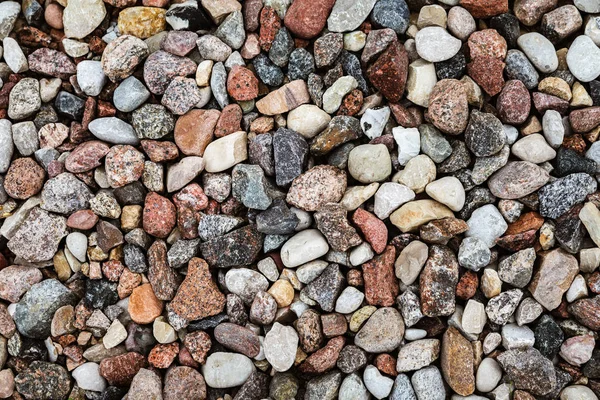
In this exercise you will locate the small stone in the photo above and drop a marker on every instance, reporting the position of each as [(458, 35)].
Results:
[(284, 99), (161, 67), (333, 96), (529, 370), (435, 44), (306, 19), (226, 152), (280, 346), (501, 307), (382, 332), (428, 383), (487, 224), (113, 130), (540, 51), (449, 94), (457, 362), (558, 197), (332, 222), (534, 149), (390, 72), (81, 17), (369, 163), (326, 288), (43, 380)]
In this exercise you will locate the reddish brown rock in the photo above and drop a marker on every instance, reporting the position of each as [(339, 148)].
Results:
[(372, 228), (198, 296), (143, 306), (109, 236), (124, 164), (198, 344), (457, 362), (159, 215), (517, 241), (163, 355), (585, 120), (25, 178), (160, 151), (112, 270), (448, 106), (238, 338), (251, 11), (194, 131), (86, 156), (352, 103), (487, 72), (334, 325), (120, 370), (16, 280), (183, 383), (438, 282), (189, 202), (485, 8), (467, 285), (162, 277), (527, 221), (229, 121), (543, 102), (514, 103), (127, 282), (82, 219), (242, 85), (324, 359), (332, 221), (381, 284), (487, 43), (587, 312), (388, 74), (307, 18), (386, 364), (270, 23), (51, 62), (406, 117), (7, 325), (529, 12), (440, 231)]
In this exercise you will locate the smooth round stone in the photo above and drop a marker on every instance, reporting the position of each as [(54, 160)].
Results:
[(24, 99), (533, 148), (245, 282), (333, 96), (357, 195), (487, 224), (382, 332), (577, 392), (414, 334), (488, 376), (370, 163), (303, 247), (6, 145), (350, 299), (449, 191), (540, 51), (592, 28), (77, 245), (393, 14), (225, 370), (588, 6), (380, 386), (130, 94), (583, 59), (226, 152), (435, 44), (347, 15), (75, 48), (517, 179), (280, 346), (554, 130), (410, 262), (13, 56), (429, 384), (113, 130), (361, 254), (308, 120), (355, 41), (461, 23), (88, 377)]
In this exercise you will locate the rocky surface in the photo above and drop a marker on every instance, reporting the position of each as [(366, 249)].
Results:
[(296, 199)]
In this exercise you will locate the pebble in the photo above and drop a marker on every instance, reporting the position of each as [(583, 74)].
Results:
[(122, 56), (333, 96), (539, 50), (225, 152), (448, 191), (13, 56), (534, 149), (81, 17), (435, 44), (43, 380), (113, 130), (382, 332), (489, 374), (486, 223), (449, 94), (24, 99), (427, 383), (379, 386), (88, 377), (581, 59), (280, 347)]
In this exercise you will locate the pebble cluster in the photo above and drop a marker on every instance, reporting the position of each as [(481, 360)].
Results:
[(299, 199)]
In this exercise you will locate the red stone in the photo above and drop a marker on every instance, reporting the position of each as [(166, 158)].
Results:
[(120, 370), (544, 102), (162, 277), (386, 364), (388, 74), (159, 215), (160, 151), (229, 121), (585, 120), (270, 23), (487, 43), (372, 228), (514, 103), (112, 270), (194, 131), (487, 72), (82, 219), (24, 179), (467, 285), (352, 103), (307, 18), (163, 355), (86, 156), (448, 106), (324, 359), (198, 343), (381, 284), (485, 8), (242, 85)]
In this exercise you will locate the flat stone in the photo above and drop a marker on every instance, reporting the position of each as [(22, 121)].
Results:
[(382, 332), (539, 50), (435, 44)]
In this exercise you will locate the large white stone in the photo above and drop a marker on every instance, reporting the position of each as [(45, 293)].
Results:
[(9, 11), (281, 344), (303, 247), (225, 370), (540, 51), (88, 377), (81, 17), (474, 317), (13, 55), (435, 44), (349, 301), (577, 392), (583, 59), (77, 244), (488, 376), (226, 152), (370, 163), (352, 388), (113, 130), (380, 386), (533, 148), (449, 191), (308, 120), (374, 120)]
